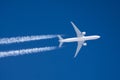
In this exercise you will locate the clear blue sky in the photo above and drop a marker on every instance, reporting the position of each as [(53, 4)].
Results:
[(100, 60)]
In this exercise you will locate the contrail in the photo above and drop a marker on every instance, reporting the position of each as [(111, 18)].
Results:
[(25, 51), (25, 39)]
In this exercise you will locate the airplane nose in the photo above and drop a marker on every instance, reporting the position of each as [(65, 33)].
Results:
[(98, 36)]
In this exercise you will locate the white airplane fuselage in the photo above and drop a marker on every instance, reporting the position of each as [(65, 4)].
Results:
[(83, 38)]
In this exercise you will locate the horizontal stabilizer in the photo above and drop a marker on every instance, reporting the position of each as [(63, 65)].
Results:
[(60, 38), (61, 43)]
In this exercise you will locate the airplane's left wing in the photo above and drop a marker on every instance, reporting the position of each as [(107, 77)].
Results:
[(78, 48), (78, 32)]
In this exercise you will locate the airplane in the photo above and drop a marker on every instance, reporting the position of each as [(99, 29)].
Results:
[(81, 38)]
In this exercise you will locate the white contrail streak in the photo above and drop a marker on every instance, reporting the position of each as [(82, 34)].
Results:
[(25, 39), (25, 51)]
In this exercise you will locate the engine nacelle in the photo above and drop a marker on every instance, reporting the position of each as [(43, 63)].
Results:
[(84, 44), (83, 33)]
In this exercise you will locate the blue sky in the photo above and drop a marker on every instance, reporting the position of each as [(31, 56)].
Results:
[(97, 61)]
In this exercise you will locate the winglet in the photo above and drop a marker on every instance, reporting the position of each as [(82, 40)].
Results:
[(60, 38)]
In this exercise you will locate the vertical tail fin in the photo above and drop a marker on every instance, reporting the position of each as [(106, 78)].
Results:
[(60, 38)]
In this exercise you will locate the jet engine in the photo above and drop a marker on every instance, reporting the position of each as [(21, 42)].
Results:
[(84, 44), (83, 33)]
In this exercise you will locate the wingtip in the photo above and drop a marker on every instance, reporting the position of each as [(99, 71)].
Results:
[(71, 22), (74, 56)]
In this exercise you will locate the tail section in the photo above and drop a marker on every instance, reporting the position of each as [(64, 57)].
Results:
[(60, 38)]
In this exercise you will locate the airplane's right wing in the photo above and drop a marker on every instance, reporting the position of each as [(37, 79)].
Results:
[(78, 32), (78, 48)]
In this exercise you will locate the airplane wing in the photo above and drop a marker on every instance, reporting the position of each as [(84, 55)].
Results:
[(78, 32), (78, 48)]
